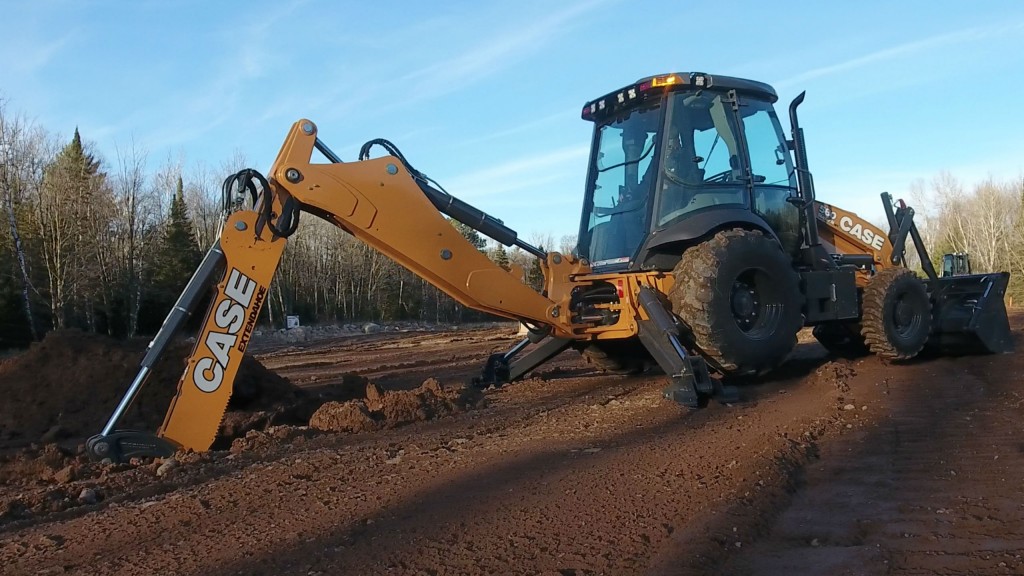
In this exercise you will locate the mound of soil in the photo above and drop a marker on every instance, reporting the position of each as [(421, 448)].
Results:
[(351, 416), (394, 408), (836, 373), (68, 385)]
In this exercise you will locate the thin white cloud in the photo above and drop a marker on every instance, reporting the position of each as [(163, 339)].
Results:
[(520, 174), (42, 55), (387, 85), (494, 54), (904, 50), (213, 104), (531, 126), (28, 57)]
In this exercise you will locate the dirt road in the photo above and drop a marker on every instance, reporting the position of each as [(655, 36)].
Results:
[(827, 467)]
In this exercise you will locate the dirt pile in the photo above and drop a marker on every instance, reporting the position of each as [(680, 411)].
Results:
[(67, 386), (390, 409), (836, 373), (63, 390)]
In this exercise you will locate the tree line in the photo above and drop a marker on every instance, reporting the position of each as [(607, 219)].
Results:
[(87, 245), (984, 220), (107, 246)]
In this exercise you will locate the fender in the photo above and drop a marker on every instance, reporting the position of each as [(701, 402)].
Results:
[(662, 248)]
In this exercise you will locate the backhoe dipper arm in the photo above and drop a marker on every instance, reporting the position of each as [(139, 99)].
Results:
[(244, 260), (251, 260), (382, 202)]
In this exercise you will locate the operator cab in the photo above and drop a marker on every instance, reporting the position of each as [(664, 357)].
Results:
[(671, 148), (956, 264)]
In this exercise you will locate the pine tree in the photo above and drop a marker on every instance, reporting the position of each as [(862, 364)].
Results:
[(470, 234), (535, 275), (500, 257), (65, 208), (177, 258)]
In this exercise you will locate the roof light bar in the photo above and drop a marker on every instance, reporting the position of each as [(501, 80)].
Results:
[(639, 91), (665, 80)]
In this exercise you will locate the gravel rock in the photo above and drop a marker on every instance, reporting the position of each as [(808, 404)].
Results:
[(166, 467), (65, 475), (88, 496), (49, 540)]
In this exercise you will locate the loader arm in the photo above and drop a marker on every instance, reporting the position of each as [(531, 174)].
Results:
[(385, 203)]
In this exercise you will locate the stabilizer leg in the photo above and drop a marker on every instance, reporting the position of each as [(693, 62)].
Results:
[(690, 383), (128, 443), (501, 369)]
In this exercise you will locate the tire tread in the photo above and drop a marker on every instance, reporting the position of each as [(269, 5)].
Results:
[(873, 321), (693, 297)]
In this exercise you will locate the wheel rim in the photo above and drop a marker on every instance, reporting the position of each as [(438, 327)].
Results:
[(905, 319), (754, 305)]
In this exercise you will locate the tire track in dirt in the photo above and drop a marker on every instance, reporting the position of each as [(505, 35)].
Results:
[(936, 487)]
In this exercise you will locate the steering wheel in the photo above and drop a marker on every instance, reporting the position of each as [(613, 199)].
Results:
[(724, 176)]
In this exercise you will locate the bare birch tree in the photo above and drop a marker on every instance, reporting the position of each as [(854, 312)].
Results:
[(133, 228), (982, 222), (23, 155)]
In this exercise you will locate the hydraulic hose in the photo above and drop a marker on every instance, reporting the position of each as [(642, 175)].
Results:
[(452, 206), (251, 181)]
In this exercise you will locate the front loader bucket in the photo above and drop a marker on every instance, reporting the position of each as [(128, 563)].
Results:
[(969, 314)]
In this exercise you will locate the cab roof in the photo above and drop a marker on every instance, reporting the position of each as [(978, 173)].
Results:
[(653, 86)]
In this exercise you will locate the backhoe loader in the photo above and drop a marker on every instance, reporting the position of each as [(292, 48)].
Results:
[(701, 250)]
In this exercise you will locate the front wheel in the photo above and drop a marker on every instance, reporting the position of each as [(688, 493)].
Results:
[(897, 314), (740, 298)]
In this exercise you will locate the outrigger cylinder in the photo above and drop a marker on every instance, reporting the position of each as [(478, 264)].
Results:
[(123, 442)]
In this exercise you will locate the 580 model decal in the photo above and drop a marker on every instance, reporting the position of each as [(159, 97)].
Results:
[(235, 315)]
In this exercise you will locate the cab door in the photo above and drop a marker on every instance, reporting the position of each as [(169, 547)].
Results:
[(771, 171)]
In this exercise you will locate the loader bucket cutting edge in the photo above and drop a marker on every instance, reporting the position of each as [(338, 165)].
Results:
[(970, 315)]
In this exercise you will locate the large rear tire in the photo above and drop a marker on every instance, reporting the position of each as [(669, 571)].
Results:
[(897, 315), (740, 298)]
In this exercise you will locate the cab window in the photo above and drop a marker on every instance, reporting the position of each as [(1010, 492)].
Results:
[(771, 169)]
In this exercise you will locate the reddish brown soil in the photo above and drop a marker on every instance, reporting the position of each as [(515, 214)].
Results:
[(389, 409), (826, 467), (68, 385)]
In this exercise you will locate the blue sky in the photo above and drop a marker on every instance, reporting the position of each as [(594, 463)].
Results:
[(485, 96)]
